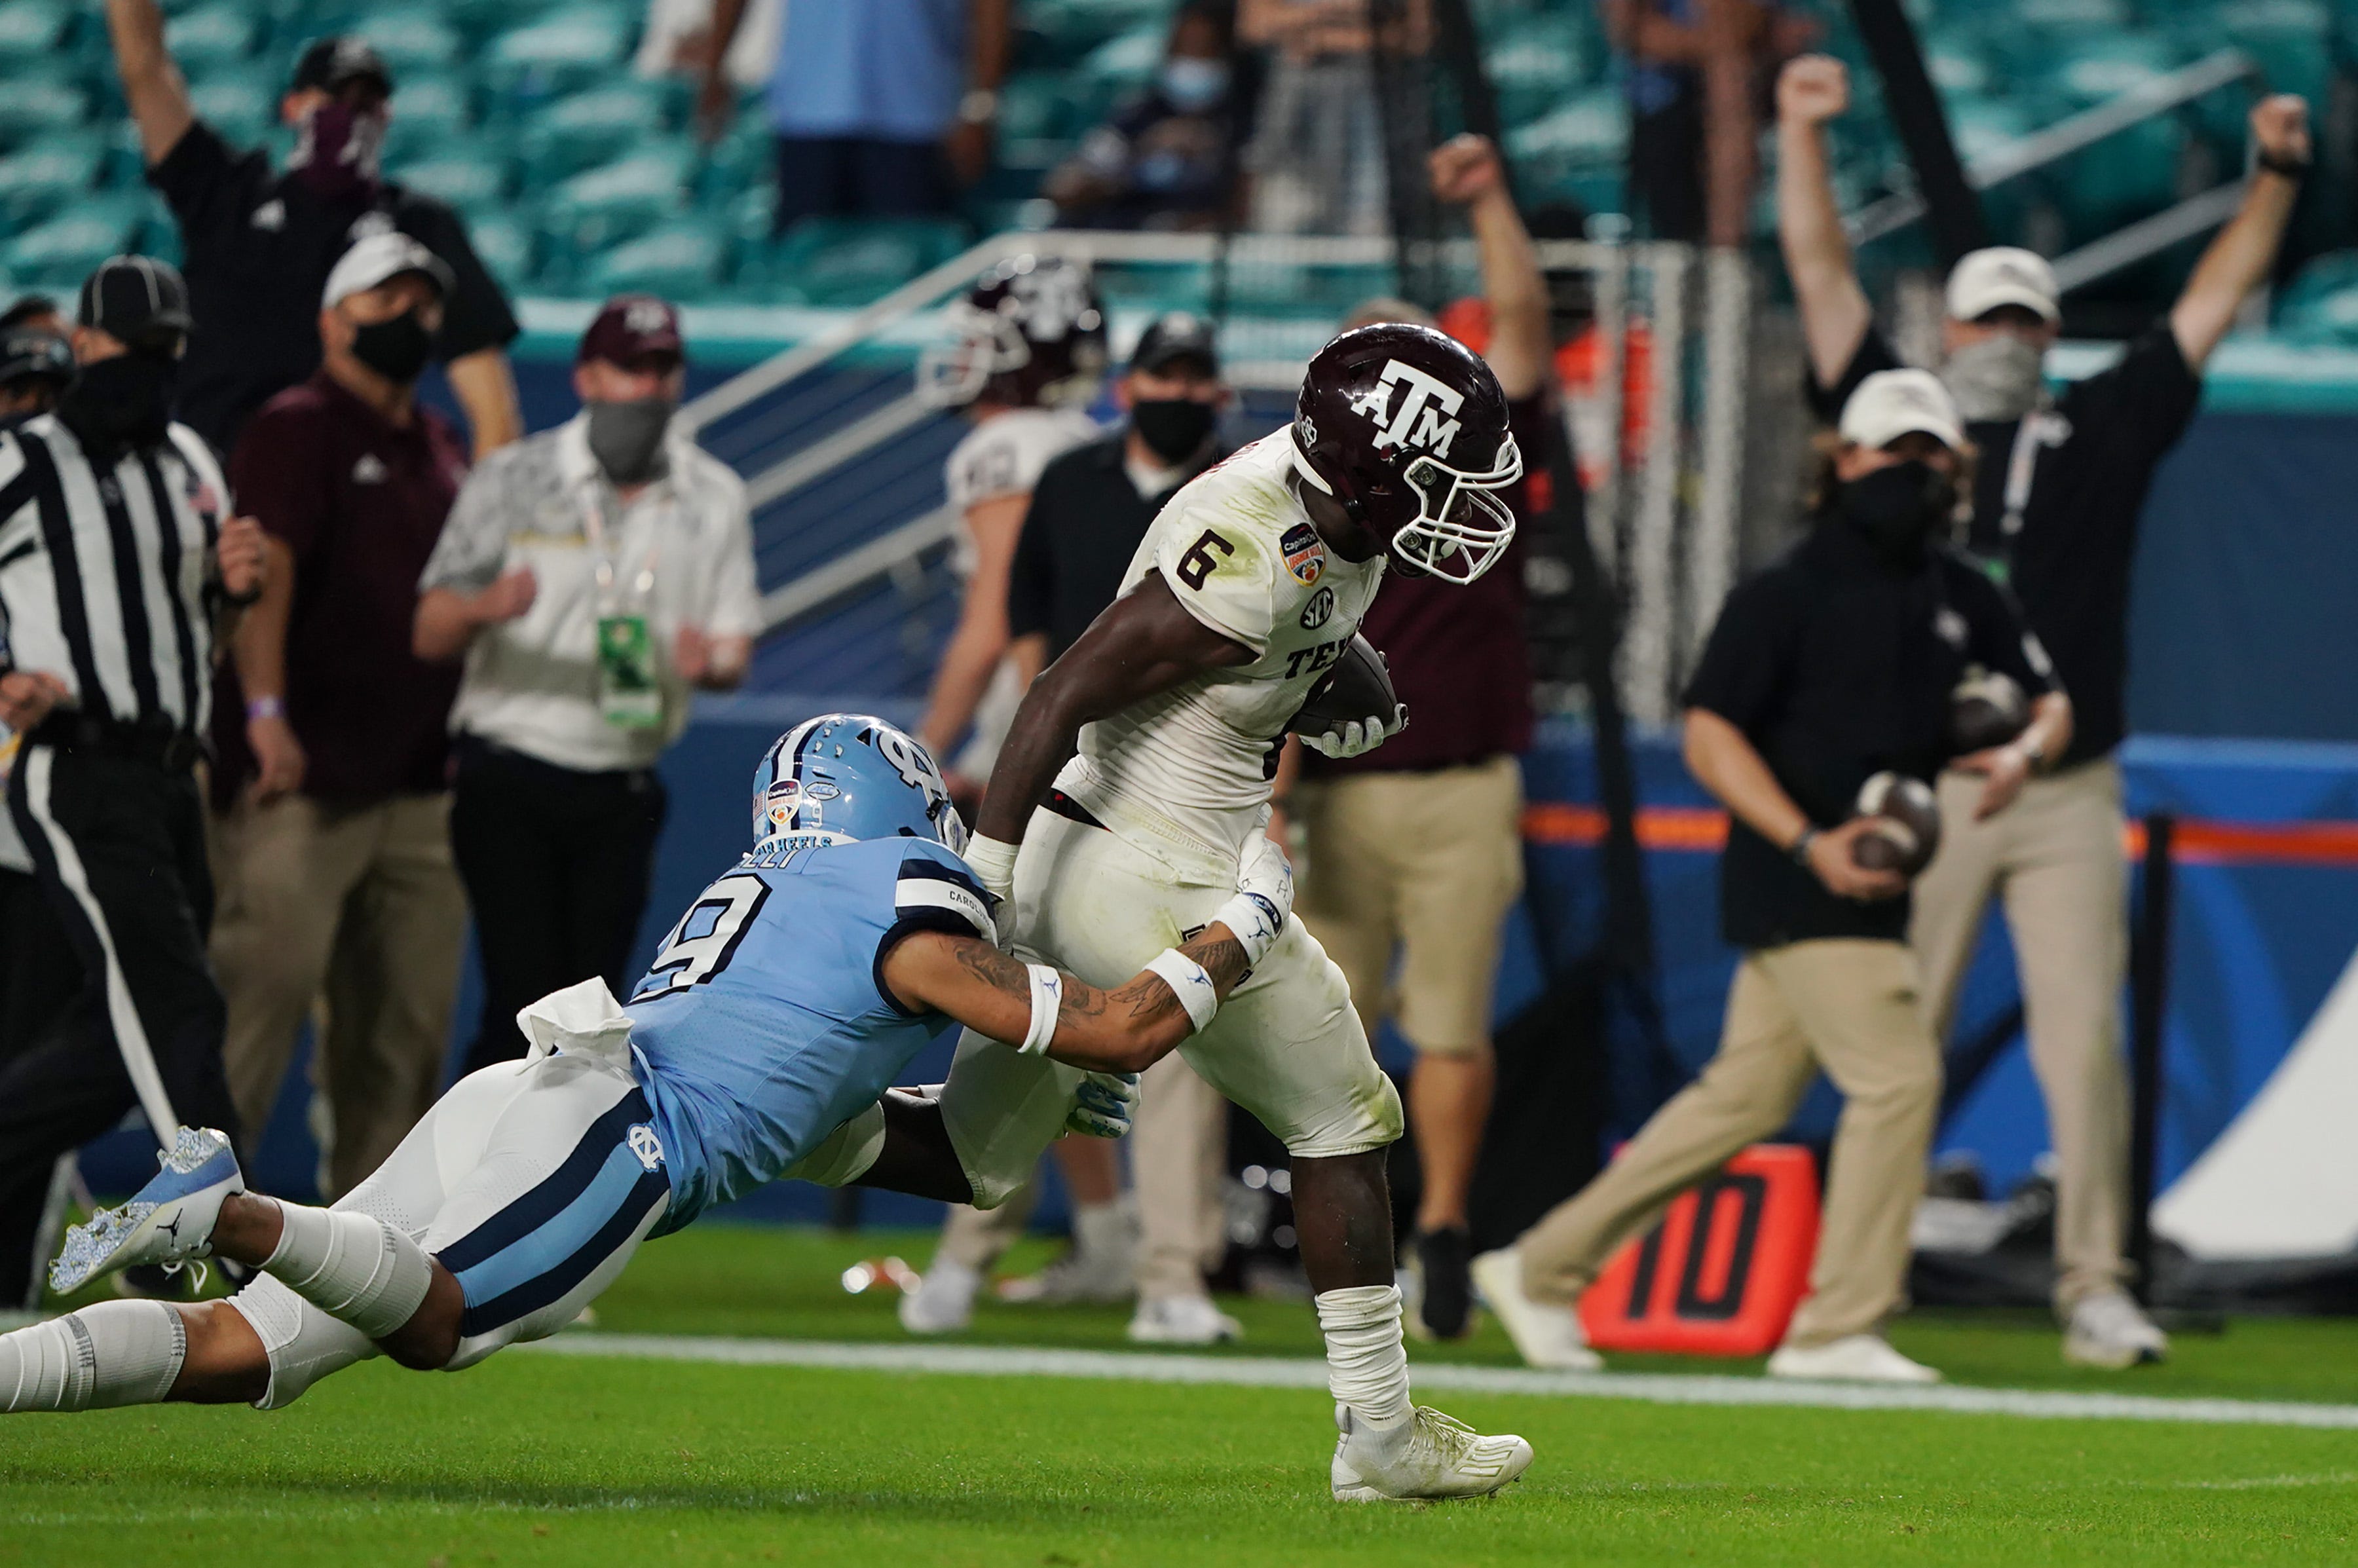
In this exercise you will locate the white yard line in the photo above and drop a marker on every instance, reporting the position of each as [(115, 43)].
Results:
[(1248, 1371)]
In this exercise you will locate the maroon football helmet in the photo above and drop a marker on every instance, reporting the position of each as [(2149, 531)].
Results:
[(1406, 428), (1030, 332)]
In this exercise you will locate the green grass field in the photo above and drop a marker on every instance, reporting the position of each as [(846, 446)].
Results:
[(535, 1459)]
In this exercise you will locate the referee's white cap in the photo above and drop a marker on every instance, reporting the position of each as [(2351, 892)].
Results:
[(1895, 403), (1997, 275), (376, 258)]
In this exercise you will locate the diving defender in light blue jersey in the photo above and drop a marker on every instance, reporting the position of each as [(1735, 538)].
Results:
[(761, 1044)]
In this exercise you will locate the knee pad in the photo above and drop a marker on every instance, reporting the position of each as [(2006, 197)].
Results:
[(1373, 1119), (303, 1343), (846, 1153)]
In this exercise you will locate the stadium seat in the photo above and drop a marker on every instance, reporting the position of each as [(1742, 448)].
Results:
[(60, 252), (851, 261), (1588, 134), (433, 109), (38, 179), (1533, 67), (471, 178), (620, 201), (223, 33), (413, 41), (32, 33), (37, 106), (588, 129), (685, 260), (562, 52), (242, 106), (504, 244)]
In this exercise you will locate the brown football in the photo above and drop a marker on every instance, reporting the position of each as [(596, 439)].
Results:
[(1988, 709), (1356, 685), (1905, 832)]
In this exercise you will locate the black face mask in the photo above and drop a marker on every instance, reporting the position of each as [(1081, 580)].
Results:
[(122, 402), (1899, 509), (396, 350), (1173, 428)]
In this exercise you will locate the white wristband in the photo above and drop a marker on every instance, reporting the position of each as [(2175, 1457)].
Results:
[(1047, 1000), (1189, 982), (1254, 920)]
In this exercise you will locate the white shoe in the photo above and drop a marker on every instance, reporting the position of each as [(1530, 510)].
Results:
[(169, 1222), (1429, 1457), (1182, 1320), (1105, 1272), (2109, 1330), (943, 1301), (1545, 1334), (1854, 1358)]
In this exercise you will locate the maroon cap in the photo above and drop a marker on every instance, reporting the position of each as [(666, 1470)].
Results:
[(633, 327)]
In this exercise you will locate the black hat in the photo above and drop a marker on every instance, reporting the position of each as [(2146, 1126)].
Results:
[(330, 63), (136, 299), (1176, 334), (29, 351)]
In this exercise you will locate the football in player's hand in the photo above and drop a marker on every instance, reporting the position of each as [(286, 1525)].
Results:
[(1988, 709), (1358, 686), (1904, 825)]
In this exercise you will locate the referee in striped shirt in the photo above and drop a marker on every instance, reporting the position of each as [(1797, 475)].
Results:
[(120, 571)]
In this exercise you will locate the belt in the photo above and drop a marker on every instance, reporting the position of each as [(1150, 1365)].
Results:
[(174, 751), (1072, 810)]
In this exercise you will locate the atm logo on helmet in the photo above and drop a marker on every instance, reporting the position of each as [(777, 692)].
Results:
[(1422, 418)]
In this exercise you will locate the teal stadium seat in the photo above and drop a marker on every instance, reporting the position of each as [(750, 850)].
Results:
[(414, 41), (33, 33), (588, 129), (243, 105), (33, 106), (59, 253), (506, 246), (2134, 171), (563, 51), (210, 37), (38, 179), (1576, 152), (471, 178), (688, 259), (616, 201), (1534, 67), (851, 261)]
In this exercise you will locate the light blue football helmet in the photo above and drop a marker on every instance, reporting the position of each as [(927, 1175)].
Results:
[(847, 776)]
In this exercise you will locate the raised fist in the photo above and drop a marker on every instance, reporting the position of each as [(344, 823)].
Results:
[(1463, 168), (1812, 89)]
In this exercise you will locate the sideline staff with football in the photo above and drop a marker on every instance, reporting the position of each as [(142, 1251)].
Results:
[(1831, 666), (116, 554)]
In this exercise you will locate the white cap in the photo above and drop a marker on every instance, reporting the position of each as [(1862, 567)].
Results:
[(373, 258), (2003, 274), (1895, 403)]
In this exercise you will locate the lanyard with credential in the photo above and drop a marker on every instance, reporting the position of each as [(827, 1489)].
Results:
[(2021, 466), (642, 582)]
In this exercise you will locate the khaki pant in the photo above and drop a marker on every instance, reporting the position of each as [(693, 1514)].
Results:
[(1426, 862), (2055, 856), (360, 902), (1850, 1007), (1178, 1143)]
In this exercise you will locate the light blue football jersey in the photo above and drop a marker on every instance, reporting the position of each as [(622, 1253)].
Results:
[(763, 1026)]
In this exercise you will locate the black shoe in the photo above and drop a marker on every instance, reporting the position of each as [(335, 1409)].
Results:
[(1446, 1258)]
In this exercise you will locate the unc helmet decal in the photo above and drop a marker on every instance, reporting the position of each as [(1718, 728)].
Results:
[(842, 777)]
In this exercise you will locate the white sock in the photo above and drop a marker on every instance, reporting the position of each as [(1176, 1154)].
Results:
[(112, 1354), (353, 1267), (1366, 1361), (1101, 1229)]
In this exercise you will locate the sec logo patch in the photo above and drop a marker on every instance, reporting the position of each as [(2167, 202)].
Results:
[(1319, 611), (1305, 557)]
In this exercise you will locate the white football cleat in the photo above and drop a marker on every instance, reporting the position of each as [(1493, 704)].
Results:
[(2111, 1331), (943, 1301), (169, 1222), (1545, 1334), (1093, 1274), (1854, 1358), (1182, 1320), (1429, 1458)]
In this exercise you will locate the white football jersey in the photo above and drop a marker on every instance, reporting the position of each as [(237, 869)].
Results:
[(1184, 775), (1004, 454)]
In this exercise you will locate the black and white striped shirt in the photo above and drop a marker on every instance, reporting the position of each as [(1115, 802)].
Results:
[(103, 574)]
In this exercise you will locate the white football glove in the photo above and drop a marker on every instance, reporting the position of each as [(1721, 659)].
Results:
[(1360, 736), (1103, 1104)]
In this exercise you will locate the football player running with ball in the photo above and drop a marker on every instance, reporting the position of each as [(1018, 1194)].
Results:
[(1152, 742), (760, 1044)]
